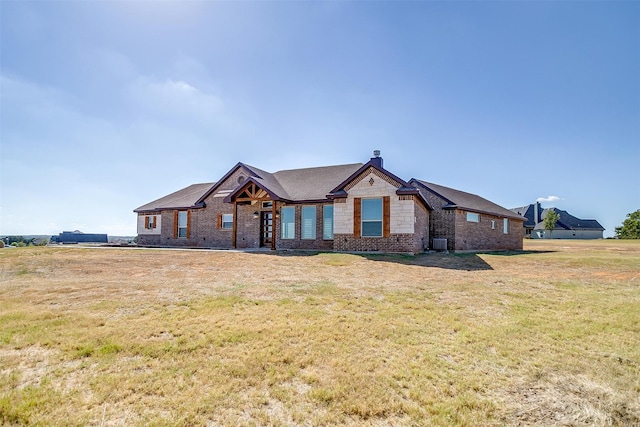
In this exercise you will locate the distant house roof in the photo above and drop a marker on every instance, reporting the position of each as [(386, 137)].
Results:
[(181, 199), (528, 213), (565, 222), (457, 199)]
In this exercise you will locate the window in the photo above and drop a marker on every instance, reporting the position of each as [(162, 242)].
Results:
[(327, 222), (183, 223), (372, 217), (493, 225), (150, 222), (227, 221), (287, 222), (267, 205), (308, 222), (473, 217), (505, 226)]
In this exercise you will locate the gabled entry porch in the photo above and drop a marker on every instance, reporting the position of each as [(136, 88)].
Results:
[(255, 213)]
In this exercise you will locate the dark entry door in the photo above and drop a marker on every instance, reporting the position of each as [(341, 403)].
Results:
[(266, 228)]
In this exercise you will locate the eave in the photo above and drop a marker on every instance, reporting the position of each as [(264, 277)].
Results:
[(171, 208)]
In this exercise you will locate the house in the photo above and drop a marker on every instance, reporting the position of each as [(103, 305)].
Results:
[(74, 237), (467, 222), (352, 207), (567, 226)]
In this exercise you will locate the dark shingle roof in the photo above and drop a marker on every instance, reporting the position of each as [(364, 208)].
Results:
[(565, 222), (462, 200), (569, 222), (184, 198), (309, 184), (313, 183), (528, 213)]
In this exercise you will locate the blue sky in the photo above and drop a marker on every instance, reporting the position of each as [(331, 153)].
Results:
[(108, 105)]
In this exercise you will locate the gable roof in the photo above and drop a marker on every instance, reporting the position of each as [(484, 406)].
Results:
[(185, 198), (528, 213), (340, 191), (313, 183), (308, 184), (566, 221), (376, 163), (253, 171), (457, 199)]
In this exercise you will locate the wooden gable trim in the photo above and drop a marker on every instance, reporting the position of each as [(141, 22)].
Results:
[(251, 192)]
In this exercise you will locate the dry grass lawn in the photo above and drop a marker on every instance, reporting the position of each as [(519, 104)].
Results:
[(109, 337)]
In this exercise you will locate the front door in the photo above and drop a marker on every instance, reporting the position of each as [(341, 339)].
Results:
[(266, 229)]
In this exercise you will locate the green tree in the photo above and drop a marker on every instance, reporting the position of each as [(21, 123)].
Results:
[(550, 220), (630, 228)]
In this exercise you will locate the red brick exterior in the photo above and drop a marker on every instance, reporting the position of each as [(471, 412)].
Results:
[(441, 222), (473, 236)]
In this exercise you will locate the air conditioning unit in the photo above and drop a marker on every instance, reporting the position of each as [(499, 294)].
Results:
[(439, 244)]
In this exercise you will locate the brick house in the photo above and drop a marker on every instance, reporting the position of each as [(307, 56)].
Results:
[(353, 207), (469, 222)]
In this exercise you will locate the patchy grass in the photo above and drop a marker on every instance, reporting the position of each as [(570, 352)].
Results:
[(547, 336)]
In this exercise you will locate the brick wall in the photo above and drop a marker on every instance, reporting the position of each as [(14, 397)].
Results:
[(480, 235), (248, 227), (394, 243), (442, 223), (298, 243), (421, 234)]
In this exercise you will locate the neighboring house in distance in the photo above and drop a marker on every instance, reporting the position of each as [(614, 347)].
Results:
[(354, 207), (73, 237), (567, 227), (468, 221)]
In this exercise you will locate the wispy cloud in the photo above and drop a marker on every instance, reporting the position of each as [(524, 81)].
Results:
[(547, 199), (175, 98)]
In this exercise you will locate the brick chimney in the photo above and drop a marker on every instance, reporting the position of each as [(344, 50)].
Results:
[(376, 159)]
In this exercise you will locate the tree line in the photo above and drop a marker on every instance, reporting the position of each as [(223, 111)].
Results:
[(20, 241)]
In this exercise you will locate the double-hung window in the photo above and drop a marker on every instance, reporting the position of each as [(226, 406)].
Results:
[(505, 225), (372, 217), (227, 221), (308, 222), (183, 222), (150, 222), (287, 222), (327, 222)]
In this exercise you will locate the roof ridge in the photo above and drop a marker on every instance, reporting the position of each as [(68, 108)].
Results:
[(319, 167)]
